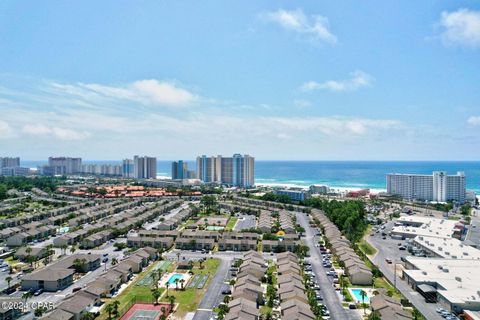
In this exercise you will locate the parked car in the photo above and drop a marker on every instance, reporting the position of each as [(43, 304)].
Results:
[(227, 291), (38, 292), (388, 260)]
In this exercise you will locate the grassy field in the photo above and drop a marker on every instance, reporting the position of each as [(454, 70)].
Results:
[(189, 299), (231, 223), (365, 246)]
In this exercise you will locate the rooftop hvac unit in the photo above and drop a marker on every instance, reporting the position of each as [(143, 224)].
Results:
[(445, 269), (424, 273), (458, 279), (465, 253)]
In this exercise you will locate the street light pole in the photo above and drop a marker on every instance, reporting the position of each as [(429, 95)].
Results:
[(395, 274)]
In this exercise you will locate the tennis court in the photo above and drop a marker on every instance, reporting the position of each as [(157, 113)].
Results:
[(142, 311)]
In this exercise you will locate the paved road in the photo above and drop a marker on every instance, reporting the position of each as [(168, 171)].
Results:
[(384, 250), (331, 299), (213, 295)]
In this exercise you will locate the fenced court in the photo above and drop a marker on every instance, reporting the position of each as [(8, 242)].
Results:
[(147, 279), (143, 311), (198, 282)]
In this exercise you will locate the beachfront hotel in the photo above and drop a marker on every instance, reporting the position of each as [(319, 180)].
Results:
[(438, 186), (237, 170)]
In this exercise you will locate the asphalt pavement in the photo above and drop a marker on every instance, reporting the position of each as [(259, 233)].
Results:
[(330, 297), (388, 248), (245, 221)]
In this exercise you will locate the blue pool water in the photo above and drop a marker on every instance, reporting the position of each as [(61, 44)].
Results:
[(357, 296), (174, 277)]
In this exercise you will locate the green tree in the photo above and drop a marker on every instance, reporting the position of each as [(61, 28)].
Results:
[(116, 304), (8, 279), (109, 308), (363, 294), (156, 293), (171, 299), (27, 295), (39, 311), (3, 192)]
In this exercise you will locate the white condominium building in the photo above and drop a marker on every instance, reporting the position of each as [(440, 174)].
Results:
[(237, 170), (62, 166), (438, 187), (145, 167)]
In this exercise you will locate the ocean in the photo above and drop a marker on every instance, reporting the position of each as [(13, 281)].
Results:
[(336, 174)]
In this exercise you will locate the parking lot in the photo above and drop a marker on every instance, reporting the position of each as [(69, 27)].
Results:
[(388, 258)]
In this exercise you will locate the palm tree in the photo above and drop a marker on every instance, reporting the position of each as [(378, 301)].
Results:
[(153, 275), (166, 286), (172, 301), (8, 279), (114, 261), (182, 284), (72, 249), (176, 284), (27, 295), (200, 263), (116, 304), (109, 309), (64, 248), (178, 256), (164, 315), (363, 294), (159, 274), (156, 293)]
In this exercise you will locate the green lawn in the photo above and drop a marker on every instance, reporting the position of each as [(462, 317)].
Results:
[(364, 245), (189, 299), (231, 223)]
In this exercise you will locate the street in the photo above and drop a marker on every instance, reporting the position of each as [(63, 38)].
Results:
[(330, 296)]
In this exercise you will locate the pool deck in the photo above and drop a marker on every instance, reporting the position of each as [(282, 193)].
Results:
[(162, 283), (369, 292)]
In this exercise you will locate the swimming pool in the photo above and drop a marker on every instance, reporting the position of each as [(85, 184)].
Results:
[(358, 297), (174, 277)]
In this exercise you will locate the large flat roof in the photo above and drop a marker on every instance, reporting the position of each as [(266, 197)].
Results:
[(432, 227), (448, 247), (457, 280)]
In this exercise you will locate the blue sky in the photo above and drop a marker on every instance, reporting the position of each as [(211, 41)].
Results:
[(385, 80)]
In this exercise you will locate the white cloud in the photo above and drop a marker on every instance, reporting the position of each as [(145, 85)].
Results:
[(302, 104), (314, 26), (358, 79), (474, 120), (5, 130), (147, 92), (461, 27), (56, 132)]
